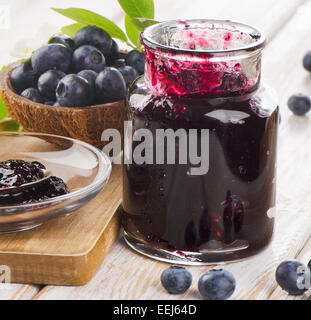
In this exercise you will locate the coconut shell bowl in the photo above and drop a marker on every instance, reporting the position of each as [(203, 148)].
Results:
[(86, 123)]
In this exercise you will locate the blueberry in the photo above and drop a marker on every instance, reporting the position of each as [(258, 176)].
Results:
[(73, 91), (33, 95), (90, 76), (176, 280), (129, 74), (217, 285), (23, 77), (113, 54), (88, 57), (119, 63), (48, 82), (299, 104), (307, 61), (94, 36), (63, 39), (110, 85), (51, 56), (288, 276), (136, 60)]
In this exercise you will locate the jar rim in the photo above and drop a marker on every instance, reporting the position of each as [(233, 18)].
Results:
[(258, 39)]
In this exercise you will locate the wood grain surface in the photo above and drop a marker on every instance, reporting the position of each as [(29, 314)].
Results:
[(68, 250), (127, 275)]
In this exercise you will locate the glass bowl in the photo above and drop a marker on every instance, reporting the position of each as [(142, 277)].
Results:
[(84, 168)]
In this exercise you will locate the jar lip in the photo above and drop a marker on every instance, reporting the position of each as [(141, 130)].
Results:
[(259, 39)]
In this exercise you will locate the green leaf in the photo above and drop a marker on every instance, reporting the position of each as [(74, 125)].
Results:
[(86, 17), (9, 125), (3, 110), (135, 26), (138, 8), (72, 29)]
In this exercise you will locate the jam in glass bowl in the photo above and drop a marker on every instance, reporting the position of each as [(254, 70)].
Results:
[(76, 173)]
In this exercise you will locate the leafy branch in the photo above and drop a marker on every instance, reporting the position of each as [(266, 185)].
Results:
[(139, 14)]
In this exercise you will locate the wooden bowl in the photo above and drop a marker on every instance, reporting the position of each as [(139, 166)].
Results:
[(86, 124)]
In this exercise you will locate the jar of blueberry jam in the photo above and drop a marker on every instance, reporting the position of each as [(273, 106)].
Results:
[(203, 77)]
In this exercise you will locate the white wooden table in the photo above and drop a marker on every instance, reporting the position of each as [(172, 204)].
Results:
[(127, 275)]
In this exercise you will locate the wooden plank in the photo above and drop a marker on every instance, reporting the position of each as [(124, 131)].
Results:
[(126, 275), (68, 250), (269, 15), (17, 291)]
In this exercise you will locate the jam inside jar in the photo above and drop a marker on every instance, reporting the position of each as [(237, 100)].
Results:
[(202, 75)]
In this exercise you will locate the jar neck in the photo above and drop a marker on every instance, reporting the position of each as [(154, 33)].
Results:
[(195, 57)]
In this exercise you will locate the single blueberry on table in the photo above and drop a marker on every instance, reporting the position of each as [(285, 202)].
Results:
[(114, 53), (110, 85), (94, 36), (176, 280), (299, 104), (129, 74), (88, 57), (48, 82), (136, 60), (51, 56), (32, 94), (217, 285), (307, 61), (63, 39), (290, 275), (90, 76), (23, 77), (73, 91)]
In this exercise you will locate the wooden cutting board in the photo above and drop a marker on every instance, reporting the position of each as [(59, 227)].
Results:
[(67, 250)]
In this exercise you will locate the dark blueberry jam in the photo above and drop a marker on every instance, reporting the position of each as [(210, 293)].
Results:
[(167, 205), (226, 213), (16, 173)]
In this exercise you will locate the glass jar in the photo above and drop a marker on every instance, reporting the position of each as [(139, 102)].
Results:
[(202, 95)]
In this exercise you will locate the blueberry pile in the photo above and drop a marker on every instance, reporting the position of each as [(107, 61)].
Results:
[(78, 72), (293, 277), (213, 285), (16, 173)]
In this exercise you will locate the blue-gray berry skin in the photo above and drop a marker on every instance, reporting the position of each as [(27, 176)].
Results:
[(110, 85), (51, 56), (48, 82), (299, 104), (73, 91), (129, 74), (136, 60), (114, 53), (176, 280), (90, 76), (217, 285), (288, 276), (94, 36), (32, 94), (88, 57), (63, 39), (307, 61), (119, 63), (23, 77)]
